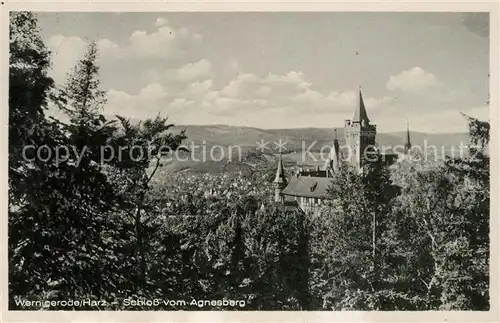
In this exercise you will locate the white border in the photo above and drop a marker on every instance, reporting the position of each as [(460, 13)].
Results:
[(255, 316)]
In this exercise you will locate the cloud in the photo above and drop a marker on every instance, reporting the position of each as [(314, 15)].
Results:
[(291, 91), (187, 94), (198, 89), (178, 78), (247, 97), (153, 91), (233, 65), (181, 103), (66, 51), (287, 100), (160, 22), (423, 90), (194, 71), (161, 43), (104, 45), (414, 80), (432, 121), (477, 23), (147, 103), (279, 87), (164, 42)]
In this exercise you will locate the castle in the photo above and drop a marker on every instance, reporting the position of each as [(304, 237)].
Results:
[(307, 189)]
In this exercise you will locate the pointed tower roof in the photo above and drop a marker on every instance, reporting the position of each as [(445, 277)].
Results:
[(280, 172), (360, 111), (332, 162), (408, 141)]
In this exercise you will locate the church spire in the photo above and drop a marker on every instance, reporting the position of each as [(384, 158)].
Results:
[(280, 173), (360, 114), (408, 142), (279, 181)]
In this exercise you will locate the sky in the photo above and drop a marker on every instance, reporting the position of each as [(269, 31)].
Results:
[(283, 69)]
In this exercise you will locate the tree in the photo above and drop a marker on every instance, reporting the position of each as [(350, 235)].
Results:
[(29, 92), (57, 205), (467, 268), (347, 244), (87, 133), (82, 90), (443, 214), (141, 148)]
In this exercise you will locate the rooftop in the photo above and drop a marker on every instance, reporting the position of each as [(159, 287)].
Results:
[(308, 187)]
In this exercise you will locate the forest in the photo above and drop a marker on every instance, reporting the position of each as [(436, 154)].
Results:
[(413, 237)]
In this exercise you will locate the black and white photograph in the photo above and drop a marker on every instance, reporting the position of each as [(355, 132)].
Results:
[(249, 161)]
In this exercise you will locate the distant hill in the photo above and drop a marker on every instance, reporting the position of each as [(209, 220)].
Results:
[(226, 135), (297, 138), (236, 138)]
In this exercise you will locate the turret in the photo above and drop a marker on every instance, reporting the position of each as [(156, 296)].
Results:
[(408, 141), (279, 181)]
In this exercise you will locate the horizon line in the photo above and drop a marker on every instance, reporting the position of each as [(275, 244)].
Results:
[(465, 131), (308, 127)]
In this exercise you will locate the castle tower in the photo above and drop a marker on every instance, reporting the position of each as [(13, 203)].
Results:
[(279, 181), (359, 135), (408, 142)]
